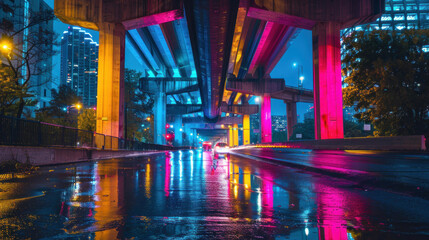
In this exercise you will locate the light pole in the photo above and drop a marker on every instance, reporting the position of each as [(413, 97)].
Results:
[(300, 72)]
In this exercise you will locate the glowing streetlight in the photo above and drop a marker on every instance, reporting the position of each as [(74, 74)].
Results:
[(78, 106), (294, 64), (257, 99), (6, 47)]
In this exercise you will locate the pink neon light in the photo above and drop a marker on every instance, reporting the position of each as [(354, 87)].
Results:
[(267, 194), (167, 174), (262, 42), (154, 19), (266, 132)]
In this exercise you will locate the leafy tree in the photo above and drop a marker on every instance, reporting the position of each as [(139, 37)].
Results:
[(137, 106), (20, 58), (279, 136), (306, 129), (387, 79), (62, 108), (352, 129), (87, 119)]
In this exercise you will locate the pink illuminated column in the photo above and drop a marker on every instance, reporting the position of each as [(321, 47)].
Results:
[(266, 133), (328, 101)]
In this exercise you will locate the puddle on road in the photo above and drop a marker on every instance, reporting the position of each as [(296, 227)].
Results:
[(188, 194)]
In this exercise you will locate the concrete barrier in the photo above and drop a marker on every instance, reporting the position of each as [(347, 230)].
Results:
[(397, 143), (48, 156)]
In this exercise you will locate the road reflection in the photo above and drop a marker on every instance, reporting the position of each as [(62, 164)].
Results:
[(189, 194)]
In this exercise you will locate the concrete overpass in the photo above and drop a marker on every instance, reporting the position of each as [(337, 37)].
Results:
[(210, 40)]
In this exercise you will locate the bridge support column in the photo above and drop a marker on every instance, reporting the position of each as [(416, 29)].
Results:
[(230, 137), (110, 88), (160, 112), (328, 99), (291, 118), (266, 131), (246, 129), (235, 134), (177, 133)]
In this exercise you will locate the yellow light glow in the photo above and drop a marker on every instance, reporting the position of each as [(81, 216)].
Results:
[(78, 106)]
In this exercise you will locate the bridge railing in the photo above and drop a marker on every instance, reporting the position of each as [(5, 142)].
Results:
[(22, 132)]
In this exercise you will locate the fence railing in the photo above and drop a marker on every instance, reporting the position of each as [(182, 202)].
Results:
[(22, 132)]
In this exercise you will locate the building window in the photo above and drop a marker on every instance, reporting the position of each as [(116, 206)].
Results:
[(386, 18), (412, 16), (398, 7), (44, 92), (399, 17)]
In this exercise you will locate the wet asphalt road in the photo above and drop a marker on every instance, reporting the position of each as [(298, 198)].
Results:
[(190, 195)]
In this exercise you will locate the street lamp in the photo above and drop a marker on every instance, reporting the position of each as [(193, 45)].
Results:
[(301, 80), (300, 72), (6, 47), (257, 99)]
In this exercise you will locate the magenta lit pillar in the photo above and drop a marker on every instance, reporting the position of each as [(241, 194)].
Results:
[(328, 99), (266, 133)]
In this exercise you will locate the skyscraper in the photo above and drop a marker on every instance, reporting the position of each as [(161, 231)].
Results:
[(79, 64), (400, 14)]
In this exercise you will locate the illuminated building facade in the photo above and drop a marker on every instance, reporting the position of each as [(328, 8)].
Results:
[(398, 15), (79, 64)]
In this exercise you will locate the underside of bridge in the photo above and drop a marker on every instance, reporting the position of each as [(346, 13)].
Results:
[(191, 48)]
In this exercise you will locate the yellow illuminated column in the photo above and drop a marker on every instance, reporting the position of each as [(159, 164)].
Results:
[(235, 134), (230, 137), (110, 88), (246, 129)]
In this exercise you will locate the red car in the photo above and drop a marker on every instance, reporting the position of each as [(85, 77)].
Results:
[(207, 146)]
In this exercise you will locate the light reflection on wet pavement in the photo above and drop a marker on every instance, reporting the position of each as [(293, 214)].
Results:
[(190, 195)]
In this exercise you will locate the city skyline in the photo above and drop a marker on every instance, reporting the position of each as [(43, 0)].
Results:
[(79, 64)]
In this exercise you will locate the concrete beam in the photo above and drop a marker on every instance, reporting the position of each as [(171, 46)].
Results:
[(180, 109), (291, 94), (239, 109), (131, 13), (151, 85), (306, 13), (255, 86)]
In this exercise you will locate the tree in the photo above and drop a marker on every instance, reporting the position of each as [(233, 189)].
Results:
[(387, 79), (24, 46), (352, 129), (306, 129), (62, 108), (137, 106), (279, 136), (87, 119)]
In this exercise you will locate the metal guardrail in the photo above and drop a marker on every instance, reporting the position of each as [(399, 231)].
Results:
[(22, 132)]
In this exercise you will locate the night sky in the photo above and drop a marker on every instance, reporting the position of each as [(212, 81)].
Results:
[(300, 52)]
